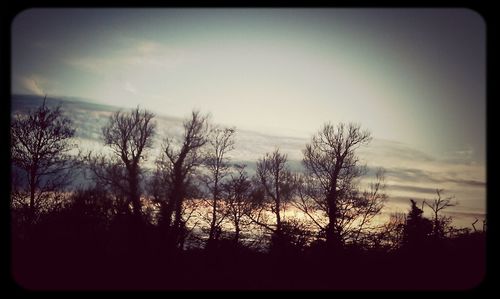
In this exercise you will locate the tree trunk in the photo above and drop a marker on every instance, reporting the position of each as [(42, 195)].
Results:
[(237, 232), (277, 207), (135, 197), (166, 214), (332, 238), (177, 227), (31, 212), (211, 235), (436, 225), (331, 235), (167, 221)]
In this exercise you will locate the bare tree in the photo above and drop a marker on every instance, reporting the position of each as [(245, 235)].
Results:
[(220, 142), (332, 165), (129, 135), (367, 206), (189, 220), (110, 174), (278, 183), (357, 210), (159, 189), (391, 234), (40, 146), (439, 204), (238, 190), (178, 161)]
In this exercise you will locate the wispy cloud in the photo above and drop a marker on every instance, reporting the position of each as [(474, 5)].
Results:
[(420, 175), (412, 173), (469, 183), (411, 188), (89, 64), (38, 85), (398, 150), (471, 214), (130, 88), (134, 53), (32, 85)]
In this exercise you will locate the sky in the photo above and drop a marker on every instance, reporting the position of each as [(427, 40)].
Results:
[(414, 77)]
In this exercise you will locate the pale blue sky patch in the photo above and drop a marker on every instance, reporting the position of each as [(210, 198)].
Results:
[(414, 75)]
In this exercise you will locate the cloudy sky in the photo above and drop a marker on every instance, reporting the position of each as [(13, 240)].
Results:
[(414, 77)]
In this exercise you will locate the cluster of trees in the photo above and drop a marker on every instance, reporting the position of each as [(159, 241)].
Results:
[(196, 193)]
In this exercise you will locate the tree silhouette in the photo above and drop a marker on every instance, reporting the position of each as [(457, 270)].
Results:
[(368, 205), (178, 161), (417, 228), (129, 135), (278, 185), (391, 234), (220, 142), (40, 147), (238, 191), (357, 210), (329, 185), (440, 222), (110, 175)]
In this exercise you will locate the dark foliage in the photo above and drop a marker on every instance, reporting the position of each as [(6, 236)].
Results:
[(86, 246)]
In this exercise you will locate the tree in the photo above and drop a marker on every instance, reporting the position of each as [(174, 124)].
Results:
[(391, 234), (357, 210), (278, 183), (178, 161), (417, 228), (238, 191), (129, 135), (367, 206), (439, 222), (40, 149), (331, 169), (220, 142), (110, 175)]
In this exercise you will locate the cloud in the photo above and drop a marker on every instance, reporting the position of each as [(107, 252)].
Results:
[(393, 149), (463, 156), (406, 199), (420, 175), (38, 85), (411, 188), (131, 55), (32, 85), (470, 214), (471, 183), (410, 174), (130, 88), (89, 64), (148, 47)]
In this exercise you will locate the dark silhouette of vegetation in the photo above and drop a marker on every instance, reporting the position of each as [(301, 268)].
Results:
[(329, 186), (178, 161), (40, 146), (391, 234), (129, 135), (417, 229), (220, 142), (277, 182), (276, 229), (440, 222), (237, 191)]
